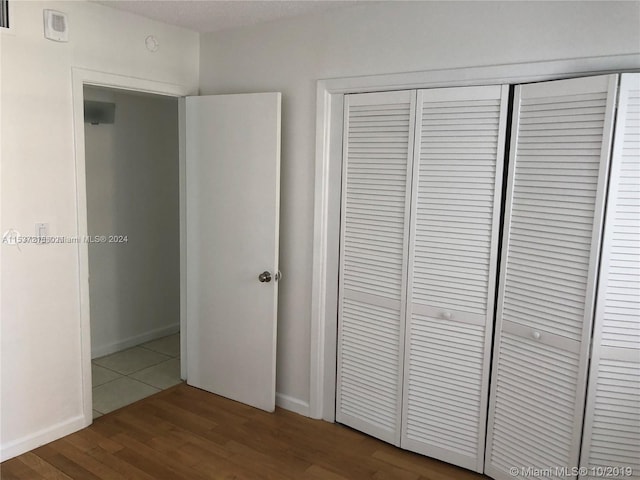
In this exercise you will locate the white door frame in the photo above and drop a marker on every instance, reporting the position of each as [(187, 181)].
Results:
[(80, 78), (326, 239)]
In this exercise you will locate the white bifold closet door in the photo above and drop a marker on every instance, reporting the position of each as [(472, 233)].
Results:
[(611, 445), (455, 219), (561, 139), (376, 181), (427, 390)]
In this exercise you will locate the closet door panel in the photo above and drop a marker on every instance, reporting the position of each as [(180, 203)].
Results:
[(561, 138), (612, 423), (378, 146), (452, 260)]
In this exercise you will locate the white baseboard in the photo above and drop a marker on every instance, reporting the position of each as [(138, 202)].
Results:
[(37, 439), (102, 350), (292, 404)]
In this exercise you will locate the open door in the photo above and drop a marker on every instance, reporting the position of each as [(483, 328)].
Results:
[(232, 223)]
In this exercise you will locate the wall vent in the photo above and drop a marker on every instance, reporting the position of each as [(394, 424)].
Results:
[(55, 26), (96, 113)]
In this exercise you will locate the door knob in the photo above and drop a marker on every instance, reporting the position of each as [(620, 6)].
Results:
[(265, 277)]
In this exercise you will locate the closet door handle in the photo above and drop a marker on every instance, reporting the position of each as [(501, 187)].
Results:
[(447, 315)]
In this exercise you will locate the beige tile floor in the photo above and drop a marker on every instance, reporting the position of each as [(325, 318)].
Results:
[(125, 377)]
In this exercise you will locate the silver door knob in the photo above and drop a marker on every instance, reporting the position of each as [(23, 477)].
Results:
[(265, 277)]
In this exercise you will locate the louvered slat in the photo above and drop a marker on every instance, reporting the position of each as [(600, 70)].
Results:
[(453, 248), (378, 146), (442, 412), (534, 404), (612, 426), (561, 137)]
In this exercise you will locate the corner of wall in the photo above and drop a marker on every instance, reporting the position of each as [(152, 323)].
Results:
[(42, 437), (292, 404)]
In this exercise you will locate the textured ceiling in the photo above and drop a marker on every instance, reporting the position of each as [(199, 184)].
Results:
[(211, 15)]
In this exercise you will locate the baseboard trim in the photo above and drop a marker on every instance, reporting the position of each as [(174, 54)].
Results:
[(37, 439), (292, 404), (114, 347)]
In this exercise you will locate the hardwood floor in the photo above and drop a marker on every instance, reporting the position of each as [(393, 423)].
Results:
[(186, 433)]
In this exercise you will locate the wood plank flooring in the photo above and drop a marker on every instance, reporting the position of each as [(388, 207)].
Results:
[(187, 434)]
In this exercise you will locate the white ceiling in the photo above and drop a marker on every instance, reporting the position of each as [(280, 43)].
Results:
[(212, 15)]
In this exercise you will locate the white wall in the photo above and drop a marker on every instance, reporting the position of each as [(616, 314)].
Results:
[(290, 55), (132, 190), (40, 342)]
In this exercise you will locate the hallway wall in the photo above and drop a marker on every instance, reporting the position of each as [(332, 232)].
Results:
[(132, 191)]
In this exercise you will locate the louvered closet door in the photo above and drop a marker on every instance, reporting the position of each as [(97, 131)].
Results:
[(455, 219), (561, 139), (378, 143), (612, 423)]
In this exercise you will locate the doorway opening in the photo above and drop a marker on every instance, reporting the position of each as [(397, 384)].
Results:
[(133, 225)]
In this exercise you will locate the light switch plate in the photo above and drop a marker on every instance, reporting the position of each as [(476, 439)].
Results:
[(42, 230)]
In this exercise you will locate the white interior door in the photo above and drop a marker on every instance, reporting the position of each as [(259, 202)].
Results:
[(453, 247), (232, 223), (378, 146), (561, 139), (611, 438)]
